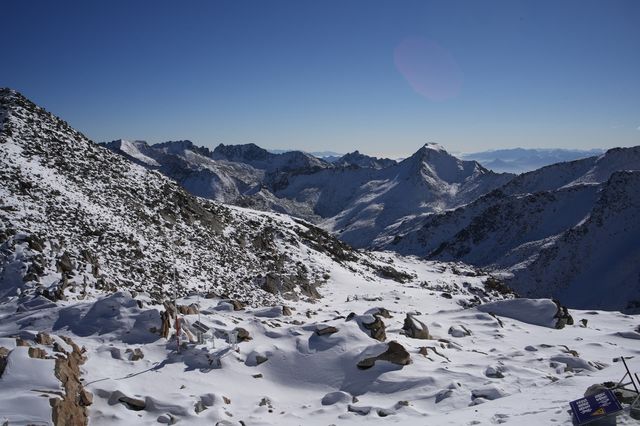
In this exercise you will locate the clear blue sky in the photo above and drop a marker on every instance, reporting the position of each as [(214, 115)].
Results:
[(380, 76)]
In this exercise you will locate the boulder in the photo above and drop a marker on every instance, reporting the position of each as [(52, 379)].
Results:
[(135, 354), (323, 330), (376, 329), (562, 316), (165, 317), (37, 353), (286, 311), (414, 328), (494, 372), (395, 353), (243, 334), (336, 397), (43, 338), (4, 354), (188, 310), (86, 398), (459, 331), (382, 312), (134, 404)]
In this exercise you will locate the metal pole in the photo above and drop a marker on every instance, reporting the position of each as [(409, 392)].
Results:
[(630, 375), (175, 310)]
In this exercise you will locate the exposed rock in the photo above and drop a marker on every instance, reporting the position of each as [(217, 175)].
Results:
[(86, 398), (188, 310), (133, 403), (167, 419), (21, 342), (243, 334), (380, 312), (286, 311), (4, 354), (35, 243), (414, 328), (135, 355), (37, 353), (336, 397), (165, 317), (261, 359), (395, 353), (494, 372), (376, 329), (71, 410), (563, 316), (237, 305), (43, 338), (325, 330), (65, 264), (459, 331)]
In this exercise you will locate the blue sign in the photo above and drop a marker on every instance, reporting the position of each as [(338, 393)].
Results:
[(595, 407)]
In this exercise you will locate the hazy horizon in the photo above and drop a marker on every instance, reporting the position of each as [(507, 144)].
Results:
[(382, 78)]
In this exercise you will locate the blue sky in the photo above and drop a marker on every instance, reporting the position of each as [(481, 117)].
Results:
[(380, 76)]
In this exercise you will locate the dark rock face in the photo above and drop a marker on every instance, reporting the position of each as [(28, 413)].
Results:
[(414, 328), (395, 353), (563, 316), (4, 354)]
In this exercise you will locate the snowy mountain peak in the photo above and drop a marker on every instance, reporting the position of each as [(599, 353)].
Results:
[(433, 162), (355, 158)]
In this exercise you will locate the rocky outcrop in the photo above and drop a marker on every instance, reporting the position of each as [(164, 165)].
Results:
[(4, 354), (325, 330), (71, 409), (563, 316), (395, 353), (414, 328), (242, 334), (377, 329)]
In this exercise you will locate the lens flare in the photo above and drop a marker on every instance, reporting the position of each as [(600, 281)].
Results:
[(429, 68)]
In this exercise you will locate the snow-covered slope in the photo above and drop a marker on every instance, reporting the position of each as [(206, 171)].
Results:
[(510, 229), (77, 218), (360, 204), (592, 170), (595, 264), (89, 241), (358, 197)]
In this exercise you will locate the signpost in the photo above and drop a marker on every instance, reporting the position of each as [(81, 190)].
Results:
[(595, 407)]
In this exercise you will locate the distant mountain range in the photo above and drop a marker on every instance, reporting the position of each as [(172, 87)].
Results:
[(520, 160), (357, 196), (567, 230), (435, 205)]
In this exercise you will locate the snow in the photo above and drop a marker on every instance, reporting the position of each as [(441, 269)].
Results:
[(531, 311), (475, 368)]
